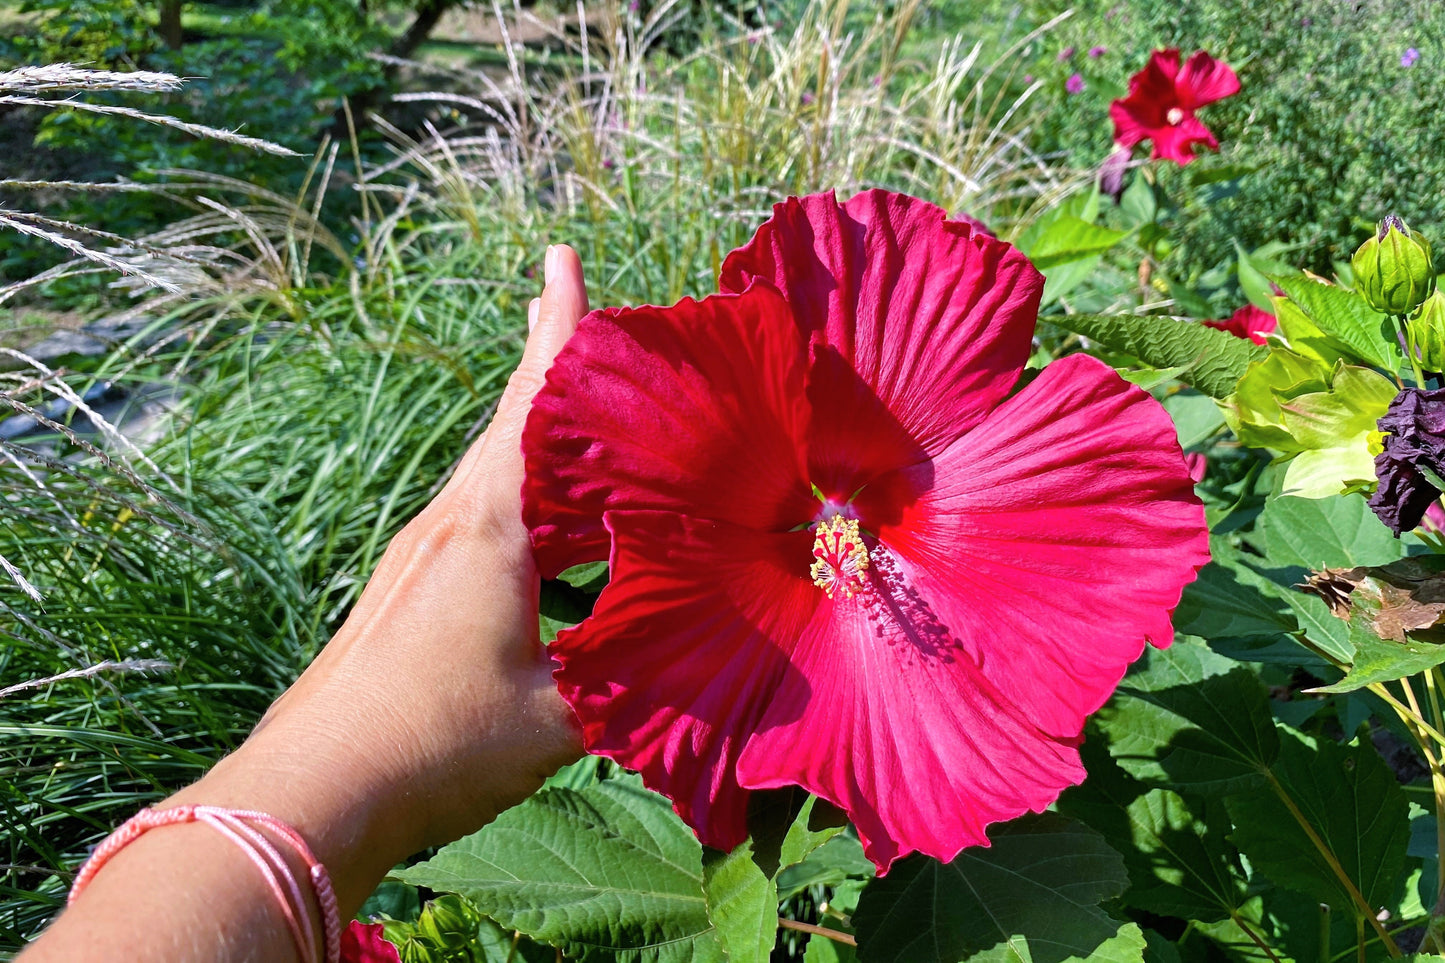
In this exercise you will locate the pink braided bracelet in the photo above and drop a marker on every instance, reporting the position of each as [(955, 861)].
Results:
[(239, 826)]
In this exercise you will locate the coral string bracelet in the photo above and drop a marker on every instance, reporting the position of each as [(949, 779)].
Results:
[(243, 827)]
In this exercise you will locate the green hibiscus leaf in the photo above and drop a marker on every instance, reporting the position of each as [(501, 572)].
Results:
[(1344, 316), (1060, 238), (1289, 923), (1337, 798), (1187, 719), (1252, 408), (1179, 864), (1225, 600), (787, 824), (1251, 271), (741, 902), (1211, 361), (821, 949), (605, 873), (1066, 245), (1303, 336), (815, 824), (1325, 533), (1382, 660), (394, 900), (588, 577), (1032, 896), (1321, 627), (1196, 416), (840, 858)]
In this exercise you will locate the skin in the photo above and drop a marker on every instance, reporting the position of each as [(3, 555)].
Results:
[(431, 711)]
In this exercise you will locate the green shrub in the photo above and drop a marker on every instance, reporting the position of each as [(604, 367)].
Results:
[(1340, 131)]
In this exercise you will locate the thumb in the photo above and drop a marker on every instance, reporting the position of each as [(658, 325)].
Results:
[(551, 320)]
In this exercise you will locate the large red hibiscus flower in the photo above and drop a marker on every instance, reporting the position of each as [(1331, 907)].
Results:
[(1162, 100), (844, 555)]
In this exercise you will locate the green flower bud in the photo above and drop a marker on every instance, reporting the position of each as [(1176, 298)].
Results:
[(1426, 333), (449, 922), (1393, 269)]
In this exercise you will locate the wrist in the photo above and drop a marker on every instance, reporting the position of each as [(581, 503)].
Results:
[(324, 787)]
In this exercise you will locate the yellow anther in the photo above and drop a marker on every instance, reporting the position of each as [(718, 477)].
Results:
[(839, 557)]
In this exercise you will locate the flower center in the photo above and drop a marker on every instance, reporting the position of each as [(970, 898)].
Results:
[(1174, 116), (840, 558)]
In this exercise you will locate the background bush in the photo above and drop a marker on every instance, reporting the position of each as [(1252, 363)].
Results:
[(1335, 130)]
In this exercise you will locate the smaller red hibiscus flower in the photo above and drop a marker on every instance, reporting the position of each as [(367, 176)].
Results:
[(1248, 322), (1162, 100)]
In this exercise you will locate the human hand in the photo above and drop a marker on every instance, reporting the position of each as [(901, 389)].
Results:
[(433, 708)]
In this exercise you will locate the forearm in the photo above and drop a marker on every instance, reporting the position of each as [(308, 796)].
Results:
[(186, 892), (431, 711)]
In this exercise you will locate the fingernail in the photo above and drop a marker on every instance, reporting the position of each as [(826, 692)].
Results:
[(549, 264), (533, 310)]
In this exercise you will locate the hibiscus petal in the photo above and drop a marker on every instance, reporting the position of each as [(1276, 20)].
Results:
[(935, 318), (366, 943), (889, 720), (1054, 540), (1163, 67), (1153, 90), (679, 660), (1205, 80), (694, 408), (1130, 127), (1176, 141)]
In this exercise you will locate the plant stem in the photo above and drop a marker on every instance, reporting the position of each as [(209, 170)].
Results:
[(1437, 784), (1365, 911), (1402, 320), (1258, 941), (838, 936), (1410, 717)]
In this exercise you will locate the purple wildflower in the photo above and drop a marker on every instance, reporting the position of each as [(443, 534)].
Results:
[(1096, 52), (1075, 84), (1065, 54), (1408, 58)]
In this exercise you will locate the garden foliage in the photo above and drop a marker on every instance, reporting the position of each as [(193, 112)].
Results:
[(1268, 787), (1319, 176)]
